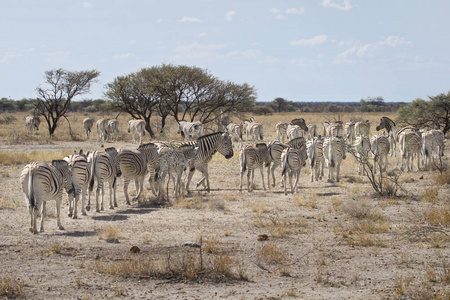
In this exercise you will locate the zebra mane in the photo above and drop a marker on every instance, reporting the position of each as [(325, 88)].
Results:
[(388, 123), (203, 137), (59, 163), (145, 146)]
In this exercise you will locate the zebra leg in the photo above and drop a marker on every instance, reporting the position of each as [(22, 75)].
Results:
[(249, 186), (71, 203), (75, 198), (99, 188), (191, 173), (126, 182), (338, 169), (83, 199), (41, 229), (240, 186), (111, 206), (284, 180), (297, 176), (34, 216), (140, 189), (58, 213), (291, 173)]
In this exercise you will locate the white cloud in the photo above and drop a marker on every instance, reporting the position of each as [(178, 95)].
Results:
[(16, 54), (317, 40), (202, 34), (190, 20), (132, 42), (230, 15), (159, 21), (280, 17), (57, 56), (299, 62), (376, 50), (122, 56), (246, 54), (344, 6), (87, 4), (295, 10), (275, 10), (197, 50)]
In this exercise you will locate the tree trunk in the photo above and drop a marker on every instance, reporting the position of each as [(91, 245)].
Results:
[(163, 123), (149, 128)]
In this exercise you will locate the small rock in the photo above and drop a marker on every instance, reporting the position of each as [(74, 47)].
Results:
[(263, 237), (135, 249)]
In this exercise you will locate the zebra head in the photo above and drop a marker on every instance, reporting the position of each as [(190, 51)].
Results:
[(225, 145), (385, 123)]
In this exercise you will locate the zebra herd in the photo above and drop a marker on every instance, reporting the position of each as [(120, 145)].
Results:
[(77, 173)]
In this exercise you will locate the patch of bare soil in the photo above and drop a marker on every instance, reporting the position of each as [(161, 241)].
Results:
[(328, 241)]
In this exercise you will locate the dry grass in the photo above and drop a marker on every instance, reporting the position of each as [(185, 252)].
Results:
[(438, 216), (109, 233), (443, 179), (55, 249), (270, 253), (25, 157), (430, 195), (10, 288)]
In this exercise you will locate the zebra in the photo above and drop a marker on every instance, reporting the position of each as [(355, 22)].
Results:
[(223, 121), (350, 132), (42, 182), (410, 144), (188, 129), (389, 125), (87, 124), (432, 146), (312, 131), (102, 129), (361, 148), (32, 124), (362, 128), (172, 159), (105, 168), (334, 150), (137, 126), (236, 130), (251, 158), (292, 161), (314, 148), (80, 177), (255, 130), (135, 164), (332, 129), (300, 122), (294, 131), (207, 146), (281, 128), (113, 129)]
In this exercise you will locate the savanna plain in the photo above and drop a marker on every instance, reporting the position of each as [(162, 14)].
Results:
[(337, 240)]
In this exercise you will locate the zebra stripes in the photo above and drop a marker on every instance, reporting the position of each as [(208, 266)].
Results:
[(332, 129), (206, 146), (190, 129), (102, 129), (432, 146), (362, 128), (104, 168), (389, 125), (42, 182), (379, 146), (87, 124), (113, 129), (32, 124), (275, 150), (312, 131), (334, 150), (251, 158), (136, 126), (172, 160), (294, 131), (361, 148), (410, 145), (236, 130), (281, 128), (292, 161), (314, 148), (350, 131), (135, 164), (255, 130), (80, 177)]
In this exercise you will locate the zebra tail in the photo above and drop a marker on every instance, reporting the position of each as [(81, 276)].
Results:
[(284, 165), (243, 161), (31, 198), (91, 179), (261, 133)]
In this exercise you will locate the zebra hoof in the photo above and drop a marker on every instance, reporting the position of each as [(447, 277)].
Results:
[(88, 207), (61, 228), (75, 217), (84, 213), (69, 215)]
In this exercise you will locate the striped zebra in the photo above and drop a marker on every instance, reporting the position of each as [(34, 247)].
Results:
[(294, 131), (223, 121), (135, 164), (281, 128), (255, 130), (312, 131), (362, 128), (300, 122), (267, 159), (42, 182), (104, 168), (80, 177), (390, 127), (432, 146), (350, 132), (334, 150), (314, 148), (251, 158), (190, 129), (410, 144), (207, 146), (87, 124), (361, 148), (236, 131), (332, 129), (380, 147), (32, 124), (102, 129), (136, 126), (113, 129), (172, 161), (292, 161)]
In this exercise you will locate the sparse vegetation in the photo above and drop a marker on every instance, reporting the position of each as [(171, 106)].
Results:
[(10, 288)]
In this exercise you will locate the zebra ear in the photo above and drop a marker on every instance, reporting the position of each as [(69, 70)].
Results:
[(80, 152)]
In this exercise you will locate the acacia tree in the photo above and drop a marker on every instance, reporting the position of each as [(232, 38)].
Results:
[(135, 94), (63, 86), (434, 113)]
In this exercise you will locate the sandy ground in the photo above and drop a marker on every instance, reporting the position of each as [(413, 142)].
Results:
[(322, 242)]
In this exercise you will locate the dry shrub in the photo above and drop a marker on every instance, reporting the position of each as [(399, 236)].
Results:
[(188, 265), (6, 203), (310, 202), (196, 202), (270, 253), (211, 245), (55, 249), (430, 195), (361, 210), (365, 240), (281, 227), (10, 288), (438, 216), (259, 207), (443, 178), (109, 233)]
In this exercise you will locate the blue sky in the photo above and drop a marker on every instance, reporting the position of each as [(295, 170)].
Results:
[(303, 50)]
